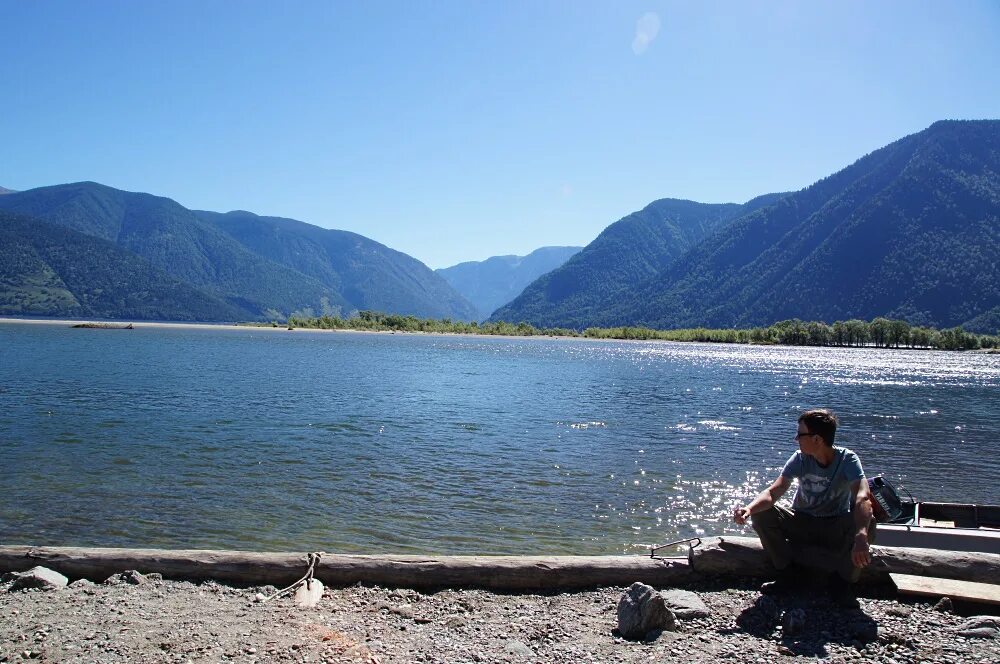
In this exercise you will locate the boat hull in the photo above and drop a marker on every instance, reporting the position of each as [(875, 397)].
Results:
[(946, 539)]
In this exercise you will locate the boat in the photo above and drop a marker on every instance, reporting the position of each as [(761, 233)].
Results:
[(943, 526)]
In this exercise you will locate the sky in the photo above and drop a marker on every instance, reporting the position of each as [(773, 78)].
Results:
[(459, 130)]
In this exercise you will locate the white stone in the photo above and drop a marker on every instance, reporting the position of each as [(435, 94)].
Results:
[(685, 604), (38, 577)]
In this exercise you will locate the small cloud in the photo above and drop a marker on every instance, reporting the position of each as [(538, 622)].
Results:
[(567, 190), (646, 29)]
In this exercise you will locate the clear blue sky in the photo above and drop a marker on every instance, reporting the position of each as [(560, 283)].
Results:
[(455, 131)]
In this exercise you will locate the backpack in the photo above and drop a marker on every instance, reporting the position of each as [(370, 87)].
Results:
[(887, 506)]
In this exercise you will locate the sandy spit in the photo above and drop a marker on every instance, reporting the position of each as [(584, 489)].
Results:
[(253, 327)]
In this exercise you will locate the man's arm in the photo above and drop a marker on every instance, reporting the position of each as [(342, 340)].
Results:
[(764, 500), (860, 554)]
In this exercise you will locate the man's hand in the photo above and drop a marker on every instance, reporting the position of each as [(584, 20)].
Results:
[(860, 554), (767, 498)]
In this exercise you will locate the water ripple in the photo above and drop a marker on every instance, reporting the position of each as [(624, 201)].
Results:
[(435, 444)]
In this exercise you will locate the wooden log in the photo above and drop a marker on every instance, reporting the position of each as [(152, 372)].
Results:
[(504, 573), (744, 556)]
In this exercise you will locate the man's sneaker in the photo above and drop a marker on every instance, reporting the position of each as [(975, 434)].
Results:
[(842, 592), (787, 581)]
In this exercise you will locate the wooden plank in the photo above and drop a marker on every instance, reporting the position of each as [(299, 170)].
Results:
[(930, 586)]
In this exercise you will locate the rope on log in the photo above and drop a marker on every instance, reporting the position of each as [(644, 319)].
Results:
[(313, 558)]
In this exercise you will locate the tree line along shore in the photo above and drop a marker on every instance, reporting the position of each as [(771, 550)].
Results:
[(878, 333)]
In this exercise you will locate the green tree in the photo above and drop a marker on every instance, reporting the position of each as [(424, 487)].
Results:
[(899, 333), (879, 331)]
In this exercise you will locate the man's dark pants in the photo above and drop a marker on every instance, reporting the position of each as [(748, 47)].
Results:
[(781, 531)]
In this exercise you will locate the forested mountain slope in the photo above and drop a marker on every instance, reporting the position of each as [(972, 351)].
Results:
[(910, 231), (588, 287), (174, 240), (49, 270), (497, 280), (367, 274), (260, 267)]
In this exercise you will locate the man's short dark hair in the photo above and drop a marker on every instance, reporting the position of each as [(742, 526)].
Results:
[(821, 422)]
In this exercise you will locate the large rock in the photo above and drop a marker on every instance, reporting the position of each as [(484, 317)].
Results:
[(642, 610), (41, 578), (685, 604)]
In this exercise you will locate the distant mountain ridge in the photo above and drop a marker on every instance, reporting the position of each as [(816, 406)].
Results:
[(212, 259), (174, 240), (4, 190), (624, 255), (497, 280), (910, 231), (368, 274)]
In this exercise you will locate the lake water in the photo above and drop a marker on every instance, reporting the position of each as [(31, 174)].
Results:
[(350, 442)]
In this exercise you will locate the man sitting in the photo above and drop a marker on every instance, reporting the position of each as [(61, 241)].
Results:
[(831, 509)]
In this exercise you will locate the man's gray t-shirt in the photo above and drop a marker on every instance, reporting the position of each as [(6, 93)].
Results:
[(824, 491)]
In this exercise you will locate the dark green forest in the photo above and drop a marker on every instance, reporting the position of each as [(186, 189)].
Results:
[(259, 267), (48, 270)]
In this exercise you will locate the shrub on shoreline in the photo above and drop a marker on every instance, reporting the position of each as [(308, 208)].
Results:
[(878, 333)]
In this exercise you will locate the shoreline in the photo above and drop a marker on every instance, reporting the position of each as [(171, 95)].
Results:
[(67, 322)]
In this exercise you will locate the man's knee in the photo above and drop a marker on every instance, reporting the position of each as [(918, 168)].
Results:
[(768, 518)]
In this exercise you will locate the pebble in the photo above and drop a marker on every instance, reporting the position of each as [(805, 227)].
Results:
[(126, 624)]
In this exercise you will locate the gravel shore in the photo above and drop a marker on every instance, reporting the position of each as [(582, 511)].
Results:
[(167, 621)]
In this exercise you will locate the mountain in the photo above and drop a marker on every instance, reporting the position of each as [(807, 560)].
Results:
[(258, 267), (497, 280), (49, 270), (367, 274), (174, 240), (624, 255), (910, 231), (4, 190)]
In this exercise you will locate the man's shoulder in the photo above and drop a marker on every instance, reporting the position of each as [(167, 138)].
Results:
[(851, 463), (793, 465)]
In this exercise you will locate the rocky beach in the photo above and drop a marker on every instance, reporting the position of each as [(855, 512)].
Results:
[(137, 618)]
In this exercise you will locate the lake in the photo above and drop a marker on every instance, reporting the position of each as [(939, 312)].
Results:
[(351, 442)]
